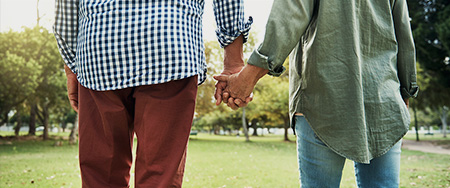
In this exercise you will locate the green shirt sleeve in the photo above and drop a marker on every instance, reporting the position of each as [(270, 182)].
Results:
[(287, 22), (406, 60)]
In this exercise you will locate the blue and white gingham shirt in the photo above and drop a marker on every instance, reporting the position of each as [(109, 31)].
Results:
[(115, 44)]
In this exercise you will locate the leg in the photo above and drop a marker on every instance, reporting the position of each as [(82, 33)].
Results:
[(163, 120), (106, 138), (383, 171), (319, 166)]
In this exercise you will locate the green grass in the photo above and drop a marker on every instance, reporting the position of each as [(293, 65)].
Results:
[(437, 136), (437, 139), (38, 164), (213, 161), (225, 161)]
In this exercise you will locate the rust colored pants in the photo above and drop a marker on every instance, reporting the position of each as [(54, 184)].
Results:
[(160, 115)]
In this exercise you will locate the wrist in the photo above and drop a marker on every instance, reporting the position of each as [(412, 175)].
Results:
[(68, 71), (253, 73), (234, 56), (231, 69)]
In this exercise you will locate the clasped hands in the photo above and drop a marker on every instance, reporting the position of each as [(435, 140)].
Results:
[(236, 82), (235, 88)]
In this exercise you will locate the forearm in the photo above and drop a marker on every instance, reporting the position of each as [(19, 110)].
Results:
[(72, 87), (406, 62), (252, 73), (233, 56)]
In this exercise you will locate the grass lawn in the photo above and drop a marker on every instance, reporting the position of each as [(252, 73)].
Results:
[(213, 161), (436, 139)]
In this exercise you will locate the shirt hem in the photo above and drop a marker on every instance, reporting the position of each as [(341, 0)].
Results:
[(123, 86), (364, 161)]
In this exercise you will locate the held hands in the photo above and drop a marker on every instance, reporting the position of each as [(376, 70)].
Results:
[(236, 82), (236, 89), (233, 91)]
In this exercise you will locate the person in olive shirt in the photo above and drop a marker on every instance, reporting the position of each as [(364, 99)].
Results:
[(351, 73)]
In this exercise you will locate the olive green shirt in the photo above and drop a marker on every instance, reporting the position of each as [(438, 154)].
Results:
[(352, 62)]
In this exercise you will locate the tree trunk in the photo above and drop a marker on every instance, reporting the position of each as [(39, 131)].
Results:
[(38, 18), (244, 126), (74, 132), (19, 124), (46, 117), (286, 128), (216, 129), (416, 126), (262, 128), (63, 126), (4, 119), (32, 123), (444, 120), (255, 127)]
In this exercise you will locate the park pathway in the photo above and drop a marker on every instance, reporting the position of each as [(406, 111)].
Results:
[(424, 146)]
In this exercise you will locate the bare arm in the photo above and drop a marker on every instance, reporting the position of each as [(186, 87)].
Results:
[(72, 88)]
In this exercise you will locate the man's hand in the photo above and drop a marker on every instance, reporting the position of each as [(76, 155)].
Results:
[(233, 62), (219, 94), (406, 102), (237, 92), (239, 86), (72, 88)]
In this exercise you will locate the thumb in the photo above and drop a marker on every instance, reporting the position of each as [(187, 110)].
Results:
[(221, 77)]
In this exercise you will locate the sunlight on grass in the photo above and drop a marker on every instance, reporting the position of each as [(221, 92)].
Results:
[(213, 161)]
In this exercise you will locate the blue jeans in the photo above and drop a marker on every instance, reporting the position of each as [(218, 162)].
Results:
[(320, 167)]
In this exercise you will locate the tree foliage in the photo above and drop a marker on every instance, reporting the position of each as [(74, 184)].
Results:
[(430, 22), (32, 76), (19, 73)]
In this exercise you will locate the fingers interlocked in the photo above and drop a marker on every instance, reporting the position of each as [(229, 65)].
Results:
[(232, 90)]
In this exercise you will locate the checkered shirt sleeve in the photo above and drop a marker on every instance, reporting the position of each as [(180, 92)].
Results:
[(65, 30), (230, 21)]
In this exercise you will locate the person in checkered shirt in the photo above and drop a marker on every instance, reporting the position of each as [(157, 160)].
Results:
[(133, 67)]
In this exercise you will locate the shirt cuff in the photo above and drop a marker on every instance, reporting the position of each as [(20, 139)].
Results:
[(260, 60), (226, 37), (411, 92)]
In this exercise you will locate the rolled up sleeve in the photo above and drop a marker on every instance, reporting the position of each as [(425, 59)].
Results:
[(231, 24), (287, 22), (406, 57), (65, 30)]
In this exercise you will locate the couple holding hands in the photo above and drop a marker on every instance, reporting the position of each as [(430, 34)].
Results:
[(133, 68)]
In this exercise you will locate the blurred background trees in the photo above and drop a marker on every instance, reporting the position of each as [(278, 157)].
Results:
[(32, 81), (430, 22), (33, 93)]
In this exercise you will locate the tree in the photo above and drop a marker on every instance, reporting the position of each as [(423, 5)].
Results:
[(19, 73), (50, 95), (245, 126), (430, 22), (19, 119), (31, 72), (205, 94), (271, 103)]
